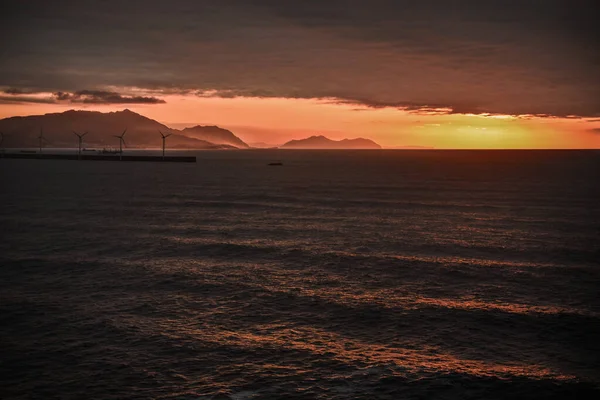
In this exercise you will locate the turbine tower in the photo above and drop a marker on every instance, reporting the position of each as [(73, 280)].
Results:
[(164, 137), (80, 137), (2, 143), (121, 143), (41, 138)]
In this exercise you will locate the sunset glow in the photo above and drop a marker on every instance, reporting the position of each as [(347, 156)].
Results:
[(276, 120), (314, 199), (443, 77)]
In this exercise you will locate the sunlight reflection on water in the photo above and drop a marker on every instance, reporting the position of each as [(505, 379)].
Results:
[(410, 275)]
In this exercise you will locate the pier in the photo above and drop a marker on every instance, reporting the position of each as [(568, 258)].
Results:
[(99, 157)]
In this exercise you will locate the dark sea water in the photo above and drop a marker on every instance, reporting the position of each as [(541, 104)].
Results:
[(339, 275)]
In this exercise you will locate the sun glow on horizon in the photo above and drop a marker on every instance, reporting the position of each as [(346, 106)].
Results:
[(276, 120)]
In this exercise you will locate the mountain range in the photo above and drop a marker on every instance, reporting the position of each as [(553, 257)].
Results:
[(142, 132), (58, 131), (321, 142), (214, 134)]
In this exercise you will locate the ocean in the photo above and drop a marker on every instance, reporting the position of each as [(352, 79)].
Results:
[(338, 275)]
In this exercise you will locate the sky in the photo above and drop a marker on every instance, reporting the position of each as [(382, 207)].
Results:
[(428, 73)]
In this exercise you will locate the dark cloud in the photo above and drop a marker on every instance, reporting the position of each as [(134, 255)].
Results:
[(439, 108), (17, 99), (62, 96), (595, 130), (104, 97), (509, 57), (79, 97), (14, 91)]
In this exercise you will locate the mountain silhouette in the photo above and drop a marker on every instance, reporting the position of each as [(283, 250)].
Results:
[(262, 145), (214, 134), (58, 131), (321, 142)]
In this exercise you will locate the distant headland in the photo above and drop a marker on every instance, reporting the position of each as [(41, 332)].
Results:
[(321, 142)]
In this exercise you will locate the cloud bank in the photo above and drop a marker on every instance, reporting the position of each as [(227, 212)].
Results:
[(104, 97), (505, 57), (13, 95)]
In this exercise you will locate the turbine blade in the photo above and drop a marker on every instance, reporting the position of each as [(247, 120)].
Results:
[(84, 134), (124, 132)]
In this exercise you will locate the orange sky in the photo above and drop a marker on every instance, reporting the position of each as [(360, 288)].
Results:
[(272, 71), (276, 120)]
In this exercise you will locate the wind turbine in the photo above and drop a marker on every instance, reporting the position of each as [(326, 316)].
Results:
[(121, 143), (80, 137), (164, 137), (41, 138)]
